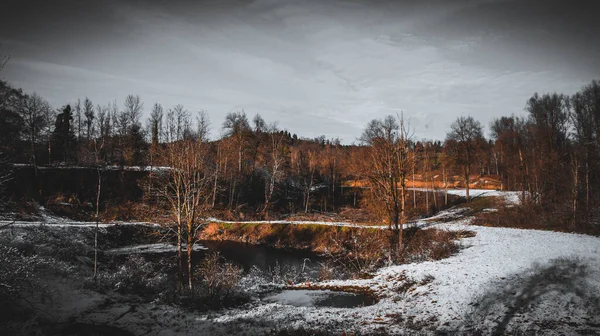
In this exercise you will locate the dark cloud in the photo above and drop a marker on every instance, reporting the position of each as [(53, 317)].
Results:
[(346, 61)]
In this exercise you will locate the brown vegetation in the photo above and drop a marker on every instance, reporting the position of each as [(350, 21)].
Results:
[(356, 249)]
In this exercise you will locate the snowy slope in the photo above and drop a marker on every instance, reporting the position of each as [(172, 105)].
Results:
[(503, 279)]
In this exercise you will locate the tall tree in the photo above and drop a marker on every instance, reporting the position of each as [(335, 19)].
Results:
[(63, 137), (236, 126), (187, 192), (548, 125), (33, 110), (156, 119), (389, 162), (88, 113), (273, 171), (586, 130), (464, 139)]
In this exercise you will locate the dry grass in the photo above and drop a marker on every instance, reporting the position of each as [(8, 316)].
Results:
[(313, 237), (431, 244), (358, 250), (532, 216)]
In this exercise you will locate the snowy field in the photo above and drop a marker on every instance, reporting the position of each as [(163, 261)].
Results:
[(502, 280), (510, 197)]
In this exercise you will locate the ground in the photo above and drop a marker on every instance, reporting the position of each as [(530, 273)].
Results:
[(503, 281)]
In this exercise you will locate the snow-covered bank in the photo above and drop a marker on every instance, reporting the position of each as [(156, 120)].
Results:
[(151, 248), (502, 280), (63, 224), (510, 197)]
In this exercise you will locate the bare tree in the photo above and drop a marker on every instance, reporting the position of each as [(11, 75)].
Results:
[(236, 126), (309, 168), (156, 120), (133, 109), (390, 162), (464, 136), (274, 168), (98, 146), (170, 126), (202, 126), (181, 119), (88, 113), (48, 125), (32, 110), (78, 117), (187, 192)]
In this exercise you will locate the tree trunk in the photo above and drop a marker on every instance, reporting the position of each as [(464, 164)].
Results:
[(190, 249), (587, 186), (467, 176), (445, 188), (575, 189), (179, 256), (414, 190), (434, 194), (97, 223)]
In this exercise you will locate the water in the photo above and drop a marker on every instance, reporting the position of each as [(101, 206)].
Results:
[(277, 265), (305, 265), (320, 298), (263, 258)]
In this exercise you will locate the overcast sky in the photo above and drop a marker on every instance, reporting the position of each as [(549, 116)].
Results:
[(317, 67)]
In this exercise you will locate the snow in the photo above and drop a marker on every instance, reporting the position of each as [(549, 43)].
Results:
[(537, 281), (502, 280), (298, 298), (151, 248), (104, 168), (496, 267), (510, 197), (288, 222), (46, 218), (72, 224)]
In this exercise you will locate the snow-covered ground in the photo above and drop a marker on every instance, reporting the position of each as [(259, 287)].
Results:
[(502, 280), (510, 197), (46, 218), (152, 248)]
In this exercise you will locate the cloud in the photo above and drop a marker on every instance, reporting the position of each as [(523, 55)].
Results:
[(317, 67)]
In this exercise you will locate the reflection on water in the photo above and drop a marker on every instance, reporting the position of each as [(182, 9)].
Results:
[(320, 298), (262, 257), (304, 265)]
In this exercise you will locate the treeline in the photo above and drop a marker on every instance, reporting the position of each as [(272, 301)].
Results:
[(254, 168)]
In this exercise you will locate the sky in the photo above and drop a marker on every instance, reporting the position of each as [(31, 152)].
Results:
[(314, 66)]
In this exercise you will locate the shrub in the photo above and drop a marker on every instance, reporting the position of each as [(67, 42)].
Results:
[(18, 274), (430, 244), (361, 251), (218, 279), (135, 275)]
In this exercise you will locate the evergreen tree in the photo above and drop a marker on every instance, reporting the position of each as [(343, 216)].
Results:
[(63, 136)]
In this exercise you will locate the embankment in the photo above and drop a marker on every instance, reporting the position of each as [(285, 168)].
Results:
[(314, 237)]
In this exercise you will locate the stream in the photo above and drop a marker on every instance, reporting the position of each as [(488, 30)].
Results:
[(267, 263)]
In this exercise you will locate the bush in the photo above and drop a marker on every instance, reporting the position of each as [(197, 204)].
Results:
[(18, 274), (135, 275), (534, 216), (362, 252), (218, 279), (430, 244)]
